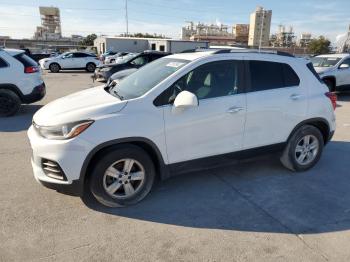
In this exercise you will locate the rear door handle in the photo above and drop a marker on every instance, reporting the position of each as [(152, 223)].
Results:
[(295, 97), (234, 109)]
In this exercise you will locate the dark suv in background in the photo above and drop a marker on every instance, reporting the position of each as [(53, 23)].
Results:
[(104, 72)]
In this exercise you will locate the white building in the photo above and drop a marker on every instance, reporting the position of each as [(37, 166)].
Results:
[(50, 28), (133, 44), (259, 29)]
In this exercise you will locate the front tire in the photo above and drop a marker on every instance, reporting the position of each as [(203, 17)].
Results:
[(54, 68), (304, 149), (123, 176), (10, 103), (90, 67)]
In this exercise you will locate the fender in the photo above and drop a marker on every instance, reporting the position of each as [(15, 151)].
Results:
[(318, 122), (162, 167), (13, 88)]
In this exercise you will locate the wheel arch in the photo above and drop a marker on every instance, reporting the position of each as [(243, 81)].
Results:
[(144, 143), (13, 88), (54, 62), (320, 123)]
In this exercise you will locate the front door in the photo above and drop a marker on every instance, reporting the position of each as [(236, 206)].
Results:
[(343, 74), (214, 127)]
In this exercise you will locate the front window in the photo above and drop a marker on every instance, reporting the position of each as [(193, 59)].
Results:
[(325, 61), (144, 79)]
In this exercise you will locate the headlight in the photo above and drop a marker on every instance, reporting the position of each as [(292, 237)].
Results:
[(65, 131)]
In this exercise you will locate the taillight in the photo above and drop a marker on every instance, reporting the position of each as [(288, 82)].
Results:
[(333, 98), (31, 69)]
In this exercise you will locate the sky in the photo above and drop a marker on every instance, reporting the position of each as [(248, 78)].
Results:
[(19, 18)]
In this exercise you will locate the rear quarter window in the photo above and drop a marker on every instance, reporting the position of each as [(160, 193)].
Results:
[(25, 60), (3, 63), (310, 66)]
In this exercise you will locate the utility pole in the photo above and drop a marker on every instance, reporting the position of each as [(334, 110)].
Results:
[(126, 18), (261, 28)]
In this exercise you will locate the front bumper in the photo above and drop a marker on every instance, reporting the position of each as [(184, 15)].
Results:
[(69, 154), (100, 76)]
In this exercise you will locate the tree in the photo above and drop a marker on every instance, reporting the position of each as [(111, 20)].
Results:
[(88, 40), (319, 46)]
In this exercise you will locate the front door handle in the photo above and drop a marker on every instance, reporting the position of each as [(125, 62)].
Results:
[(295, 97), (234, 109)]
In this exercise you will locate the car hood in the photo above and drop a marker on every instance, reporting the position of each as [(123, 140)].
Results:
[(88, 104), (322, 70)]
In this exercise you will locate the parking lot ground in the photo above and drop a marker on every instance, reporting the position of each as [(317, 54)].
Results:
[(253, 211)]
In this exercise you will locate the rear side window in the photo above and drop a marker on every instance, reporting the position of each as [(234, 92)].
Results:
[(290, 77), (79, 55), (271, 75), (2, 63), (25, 60), (313, 71)]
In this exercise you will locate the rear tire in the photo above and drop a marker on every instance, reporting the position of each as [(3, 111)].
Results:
[(10, 103), (90, 67), (54, 68), (113, 184), (304, 149)]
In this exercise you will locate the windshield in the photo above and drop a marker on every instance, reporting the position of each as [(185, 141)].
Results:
[(325, 61), (144, 79)]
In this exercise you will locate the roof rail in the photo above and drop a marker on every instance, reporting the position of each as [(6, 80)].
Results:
[(255, 51)]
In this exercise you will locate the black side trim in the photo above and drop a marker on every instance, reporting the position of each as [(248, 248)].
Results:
[(222, 160), (74, 189), (164, 172)]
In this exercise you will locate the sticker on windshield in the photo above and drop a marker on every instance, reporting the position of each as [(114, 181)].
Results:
[(175, 64), (332, 59)]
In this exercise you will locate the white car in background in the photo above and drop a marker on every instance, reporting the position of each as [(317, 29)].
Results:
[(114, 58), (20, 81), (334, 70), (71, 60)]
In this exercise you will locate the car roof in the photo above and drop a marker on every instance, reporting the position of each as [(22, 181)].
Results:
[(13, 52), (193, 55), (334, 55)]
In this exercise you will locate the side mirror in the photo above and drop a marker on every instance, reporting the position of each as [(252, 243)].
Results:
[(344, 66), (186, 99)]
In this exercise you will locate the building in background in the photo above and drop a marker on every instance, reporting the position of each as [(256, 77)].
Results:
[(259, 29), (215, 34), (305, 39), (134, 44), (284, 37), (241, 33), (50, 28)]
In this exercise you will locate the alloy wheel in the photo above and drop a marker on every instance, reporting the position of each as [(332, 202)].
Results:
[(124, 178), (306, 150)]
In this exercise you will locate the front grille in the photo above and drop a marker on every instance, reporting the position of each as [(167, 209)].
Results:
[(53, 170)]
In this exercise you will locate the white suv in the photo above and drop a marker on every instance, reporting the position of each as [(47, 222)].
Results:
[(178, 114), (334, 69), (20, 81), (71, 60)]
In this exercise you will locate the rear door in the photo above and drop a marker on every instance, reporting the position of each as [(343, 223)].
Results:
[(79, 60), (276, 102)]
